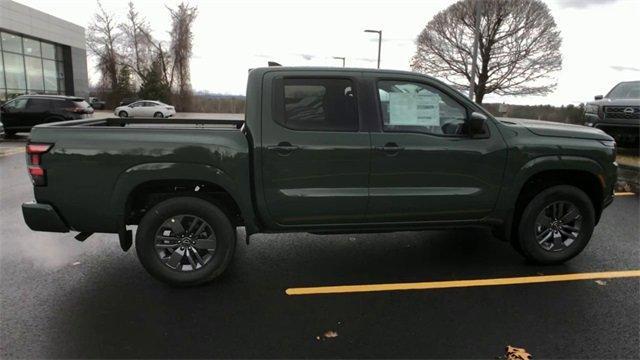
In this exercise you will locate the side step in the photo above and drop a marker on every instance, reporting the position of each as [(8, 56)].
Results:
[(82, 236)]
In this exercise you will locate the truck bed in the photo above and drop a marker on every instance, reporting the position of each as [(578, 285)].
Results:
[(95, 165)]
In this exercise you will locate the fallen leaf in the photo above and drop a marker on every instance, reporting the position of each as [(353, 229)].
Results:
[(601, 282), (514, 353), (76, 263), (330, 334)]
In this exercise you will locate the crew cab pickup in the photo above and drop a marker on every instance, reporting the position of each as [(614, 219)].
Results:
[(325, 151)]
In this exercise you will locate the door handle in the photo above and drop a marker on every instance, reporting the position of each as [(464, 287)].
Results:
[(389, 148), (283, 148)]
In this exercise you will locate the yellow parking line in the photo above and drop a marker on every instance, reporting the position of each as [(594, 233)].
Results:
[(624, 194), (341, 289)]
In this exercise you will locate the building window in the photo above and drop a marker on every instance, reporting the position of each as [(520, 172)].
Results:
[(35, 78), (14, 71), (50, 75), (31, 47), (11, 42), (30, 66), (48, 51)]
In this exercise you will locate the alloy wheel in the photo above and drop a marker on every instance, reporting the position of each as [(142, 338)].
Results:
[(558, 225), (185, 243)]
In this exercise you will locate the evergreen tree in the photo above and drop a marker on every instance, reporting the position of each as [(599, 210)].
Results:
[(153, 86)]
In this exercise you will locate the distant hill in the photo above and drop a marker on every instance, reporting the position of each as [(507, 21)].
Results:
[(569, 114)]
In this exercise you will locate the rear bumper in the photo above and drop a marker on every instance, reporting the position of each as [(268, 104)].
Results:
[(43, 217)]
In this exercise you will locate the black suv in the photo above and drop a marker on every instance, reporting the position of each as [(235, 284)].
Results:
[(617, 113), (27, 111)]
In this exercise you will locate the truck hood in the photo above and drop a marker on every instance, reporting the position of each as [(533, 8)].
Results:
[(547, 128), (615, 102)]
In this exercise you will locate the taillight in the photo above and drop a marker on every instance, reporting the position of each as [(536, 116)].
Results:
[(34, 159)]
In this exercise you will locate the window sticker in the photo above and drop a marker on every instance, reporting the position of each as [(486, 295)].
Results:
[(414, 109)]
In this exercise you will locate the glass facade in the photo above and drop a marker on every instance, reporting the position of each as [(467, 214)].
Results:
[(29, 66)]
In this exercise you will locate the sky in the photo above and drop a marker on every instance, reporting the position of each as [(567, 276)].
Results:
[(599, 38)]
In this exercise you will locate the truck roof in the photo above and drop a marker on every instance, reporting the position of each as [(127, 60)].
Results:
[(337, 69), (44, 96)]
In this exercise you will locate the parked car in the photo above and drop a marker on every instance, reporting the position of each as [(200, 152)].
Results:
[(27, 111), (145, 108), (324, 151), (127, 101), (97, 103), (617, 113)]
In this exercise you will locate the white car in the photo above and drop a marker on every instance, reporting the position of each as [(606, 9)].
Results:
[(145, 108)]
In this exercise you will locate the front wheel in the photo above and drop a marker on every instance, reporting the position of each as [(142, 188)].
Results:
[(185, 241), (158, 115), (123, 114), (556, 225)]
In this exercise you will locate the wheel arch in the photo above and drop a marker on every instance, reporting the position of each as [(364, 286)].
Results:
[(153, 182), (543, 172)]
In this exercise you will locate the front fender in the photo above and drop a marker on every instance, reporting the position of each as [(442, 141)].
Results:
[(556, 162), (519, 177), (237, 185)]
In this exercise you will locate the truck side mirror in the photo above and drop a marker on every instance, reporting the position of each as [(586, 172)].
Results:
[(476, 123), (597, 97)]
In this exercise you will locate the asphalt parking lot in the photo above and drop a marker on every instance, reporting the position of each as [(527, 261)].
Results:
[(65, 299)]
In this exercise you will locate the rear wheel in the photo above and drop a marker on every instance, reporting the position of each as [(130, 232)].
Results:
[(185, 241), (158, 115), (556, 225), (123, 114)]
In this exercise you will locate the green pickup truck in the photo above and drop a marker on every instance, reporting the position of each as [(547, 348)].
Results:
[(323, 151)]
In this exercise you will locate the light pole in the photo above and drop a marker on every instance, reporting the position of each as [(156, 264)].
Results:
[(379, 42), (340, 58)]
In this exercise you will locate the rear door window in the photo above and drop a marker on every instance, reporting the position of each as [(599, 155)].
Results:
[(38, 104), (318, 104)]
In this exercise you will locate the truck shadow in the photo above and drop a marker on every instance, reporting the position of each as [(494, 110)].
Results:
[(117, 310)]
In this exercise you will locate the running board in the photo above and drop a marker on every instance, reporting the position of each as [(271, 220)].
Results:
[(82, 236)]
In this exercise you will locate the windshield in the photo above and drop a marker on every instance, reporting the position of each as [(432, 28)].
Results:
[(625, 90)]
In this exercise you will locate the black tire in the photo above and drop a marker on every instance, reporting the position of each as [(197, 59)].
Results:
[(567, 196), (123, 114), (158, 115), (151, 223)]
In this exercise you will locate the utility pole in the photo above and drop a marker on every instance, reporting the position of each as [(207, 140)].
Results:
[(340, 58), (476, 40), (379, 32)]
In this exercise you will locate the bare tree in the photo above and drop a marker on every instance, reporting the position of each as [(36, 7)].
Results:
[(102, 41), (162, 58), (182, 19), (138, 46), (518, 47)]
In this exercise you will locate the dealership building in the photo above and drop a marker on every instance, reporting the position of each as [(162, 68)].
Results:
[(41, 54)]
